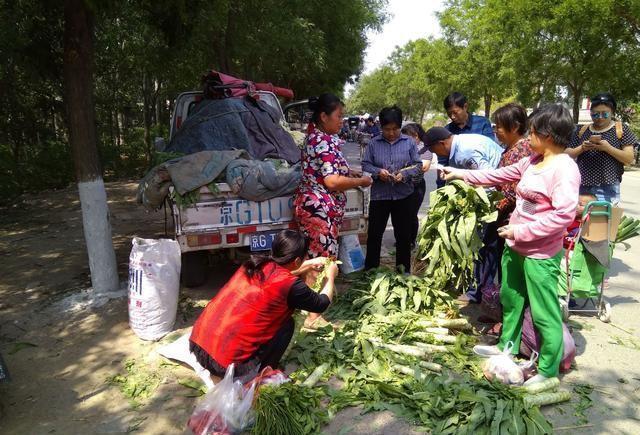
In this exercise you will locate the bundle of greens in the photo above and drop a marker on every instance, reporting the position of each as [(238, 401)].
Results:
[(449, 240), (288, 409), (391, 291), (628, 228), (317, 286), (545, 393)]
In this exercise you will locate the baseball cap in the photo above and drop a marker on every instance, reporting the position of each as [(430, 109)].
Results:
[(435, 135)]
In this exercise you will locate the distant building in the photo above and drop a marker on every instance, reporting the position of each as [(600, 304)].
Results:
[(584, 116)]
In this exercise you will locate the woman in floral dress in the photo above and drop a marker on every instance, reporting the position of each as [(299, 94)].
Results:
[(320, 200), (511, 130)]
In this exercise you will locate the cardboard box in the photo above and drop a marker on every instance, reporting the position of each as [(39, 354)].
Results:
[(596, 228)]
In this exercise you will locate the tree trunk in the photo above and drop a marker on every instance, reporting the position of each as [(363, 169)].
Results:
[(225, 43), (146, 96), (577, 96), (78, 94), (119, 127), (156, 103), (487, 104)]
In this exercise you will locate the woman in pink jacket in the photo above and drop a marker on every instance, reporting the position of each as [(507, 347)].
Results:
[(546, 200)]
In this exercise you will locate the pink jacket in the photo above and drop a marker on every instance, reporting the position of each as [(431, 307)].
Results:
[(546, 201)]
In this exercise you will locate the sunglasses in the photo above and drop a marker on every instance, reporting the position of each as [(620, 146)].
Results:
[(598, 115)]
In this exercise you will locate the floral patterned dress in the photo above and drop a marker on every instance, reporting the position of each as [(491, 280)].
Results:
[(510, 156), (318, 210)]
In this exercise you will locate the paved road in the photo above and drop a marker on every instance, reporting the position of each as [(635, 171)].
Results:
[(608, 354)]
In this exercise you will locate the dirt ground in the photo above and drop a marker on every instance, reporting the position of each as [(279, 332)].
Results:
[(63, 359)]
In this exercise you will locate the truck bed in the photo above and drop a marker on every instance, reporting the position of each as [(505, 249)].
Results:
[(223, 220)]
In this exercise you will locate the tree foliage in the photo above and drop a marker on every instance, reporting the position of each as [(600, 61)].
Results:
[(535, 50), (148, 51)]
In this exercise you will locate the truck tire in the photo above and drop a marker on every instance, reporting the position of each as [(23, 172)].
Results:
[(194, 268)]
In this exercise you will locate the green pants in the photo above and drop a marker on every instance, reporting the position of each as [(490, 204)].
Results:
[(533, 282)]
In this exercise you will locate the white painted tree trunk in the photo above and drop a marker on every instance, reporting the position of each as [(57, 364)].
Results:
[(97, 236)]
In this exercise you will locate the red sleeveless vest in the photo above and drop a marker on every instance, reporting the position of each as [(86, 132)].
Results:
[(244, 315)]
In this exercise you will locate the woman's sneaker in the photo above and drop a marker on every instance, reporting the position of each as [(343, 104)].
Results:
[(535, 380)]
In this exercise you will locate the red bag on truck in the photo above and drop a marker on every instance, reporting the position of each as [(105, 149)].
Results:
[(218, 85)]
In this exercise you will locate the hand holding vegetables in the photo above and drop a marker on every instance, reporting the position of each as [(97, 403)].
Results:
[(384, 175), (328, 270), (331, 270), (448, 173), (314, 264), (507, 232)]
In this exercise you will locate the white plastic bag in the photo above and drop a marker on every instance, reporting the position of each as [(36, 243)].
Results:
[(154, 286), (224, 409), (179, 351), (350, 254), (529, 368), (503, 368)]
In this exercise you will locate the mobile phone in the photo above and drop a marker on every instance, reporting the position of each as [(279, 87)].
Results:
[(595, 138)]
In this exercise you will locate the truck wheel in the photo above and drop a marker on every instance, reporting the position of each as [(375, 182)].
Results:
[(194, 268)]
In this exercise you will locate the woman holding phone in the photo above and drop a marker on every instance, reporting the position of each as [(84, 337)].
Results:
[(601, 150)]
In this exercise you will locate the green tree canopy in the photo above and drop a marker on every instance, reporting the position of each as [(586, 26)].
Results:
[(146, 52), (535, 50)]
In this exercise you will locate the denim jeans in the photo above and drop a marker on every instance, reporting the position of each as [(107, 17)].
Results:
[(607, 192)]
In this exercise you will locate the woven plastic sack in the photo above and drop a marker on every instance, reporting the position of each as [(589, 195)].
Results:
[(154, 286)]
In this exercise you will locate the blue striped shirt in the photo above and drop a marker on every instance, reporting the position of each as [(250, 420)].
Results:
[(381, 154)]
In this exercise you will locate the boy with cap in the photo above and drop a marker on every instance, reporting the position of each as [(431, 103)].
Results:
[(465, 151)]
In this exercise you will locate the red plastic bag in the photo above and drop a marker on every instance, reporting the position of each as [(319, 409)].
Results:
[(225, 409), (531, 342)]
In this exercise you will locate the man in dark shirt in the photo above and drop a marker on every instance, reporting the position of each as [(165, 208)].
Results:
[(371, 127), (463, 122)]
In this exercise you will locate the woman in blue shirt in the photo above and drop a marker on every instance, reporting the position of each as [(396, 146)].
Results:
[(392, 160)]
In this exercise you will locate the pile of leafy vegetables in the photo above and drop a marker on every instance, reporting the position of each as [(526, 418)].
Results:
[(191, 198), (382, 292), (390, 352), (449, 240)]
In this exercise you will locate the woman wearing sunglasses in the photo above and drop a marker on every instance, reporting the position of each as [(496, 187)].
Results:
[(601, 150)]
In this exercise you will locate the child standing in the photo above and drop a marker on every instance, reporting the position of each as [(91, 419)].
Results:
[(546, 200)]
